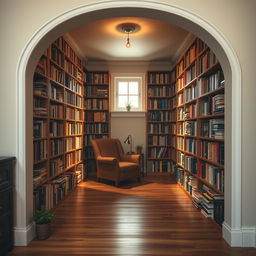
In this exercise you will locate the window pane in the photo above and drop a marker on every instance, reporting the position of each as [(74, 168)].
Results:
[(134, 100), (122, 101), (122, 88), (133, 88)]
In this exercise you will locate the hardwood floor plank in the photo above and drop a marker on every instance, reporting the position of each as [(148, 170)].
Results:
[(155, 218)]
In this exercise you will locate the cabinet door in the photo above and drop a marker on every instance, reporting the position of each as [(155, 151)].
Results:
[(6, 235), (5, 201), (5, 174)]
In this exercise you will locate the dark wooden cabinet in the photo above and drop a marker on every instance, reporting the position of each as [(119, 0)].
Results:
[(6, 204)]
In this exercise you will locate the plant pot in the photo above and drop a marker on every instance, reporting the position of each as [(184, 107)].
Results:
[(43, 231), (128, 108)]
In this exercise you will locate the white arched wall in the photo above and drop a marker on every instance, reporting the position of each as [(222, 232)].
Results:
[(232, 230)]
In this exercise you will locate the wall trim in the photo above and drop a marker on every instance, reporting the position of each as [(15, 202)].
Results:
[(243, 237), (23, 236), (22, 140)]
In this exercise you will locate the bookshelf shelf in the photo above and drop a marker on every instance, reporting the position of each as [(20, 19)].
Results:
[(96, 113), (51, 139)]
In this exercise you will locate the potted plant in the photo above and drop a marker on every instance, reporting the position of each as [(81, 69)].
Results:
[(139, 149), (43, 220), (128, 106)]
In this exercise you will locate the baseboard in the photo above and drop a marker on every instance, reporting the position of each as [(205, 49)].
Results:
[(244, 237), (23, 236)]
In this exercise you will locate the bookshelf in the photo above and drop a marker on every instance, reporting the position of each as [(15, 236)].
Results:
[(96, 113), (58, 121), (199, 166), (161, 120)]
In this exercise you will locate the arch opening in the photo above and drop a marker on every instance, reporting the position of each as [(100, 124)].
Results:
[(88, 13)]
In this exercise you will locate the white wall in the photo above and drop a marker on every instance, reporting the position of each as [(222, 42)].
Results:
[(234, 19)]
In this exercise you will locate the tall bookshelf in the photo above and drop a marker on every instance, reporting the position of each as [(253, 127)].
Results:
[(199, 167), (58, 123), (161, 120), (96, 114)]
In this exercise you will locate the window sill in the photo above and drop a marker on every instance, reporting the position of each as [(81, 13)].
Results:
[(128, 114)]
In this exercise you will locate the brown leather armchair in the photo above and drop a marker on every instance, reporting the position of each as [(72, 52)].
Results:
[(112, 163)]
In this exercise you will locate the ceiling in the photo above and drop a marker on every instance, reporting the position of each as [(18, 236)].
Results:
[(155, 41)]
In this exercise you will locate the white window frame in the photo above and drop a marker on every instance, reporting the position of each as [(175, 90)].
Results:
[(128, 77)]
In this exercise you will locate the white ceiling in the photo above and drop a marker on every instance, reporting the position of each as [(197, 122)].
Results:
[(155, 41)]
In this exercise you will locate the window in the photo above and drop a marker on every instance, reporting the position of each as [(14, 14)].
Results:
[(128, 91)]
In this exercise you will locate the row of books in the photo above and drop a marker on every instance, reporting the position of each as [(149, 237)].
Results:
[(40, 107), (39, 174), (40, 150), (73, 128), (56, 128), (40, 88), (159, 78), (162, 128), (96, 116), (191, 93), (213, 128), (190, 55), (190, 128), (191, 164), (212, 174), (159, 166), (213, 151), (56, 111), (180, 142), (56, 93), (212, 105), (190, 73), (159, 152), (96, 91), (72, 143), (57, 56), (42, 66), (96, 128), (162, 116), (72, 84), (211, 82), (97, 78), (72, 69), (56, 147), (74, 114), (56, 166), (162, 91), (161, 103), (160, 140), (209, 202), (206, 61), (50, 194), (56, 74), (73, 99), (40, 129), (190, 111), (96, 104), (191, 145)]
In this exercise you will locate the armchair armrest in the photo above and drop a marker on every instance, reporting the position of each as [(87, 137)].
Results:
[(106, 160), (135, 158)]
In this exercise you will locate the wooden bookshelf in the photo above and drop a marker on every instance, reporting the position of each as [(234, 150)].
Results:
[(58, 124), (97, 115), (199, 161), (161, 118)]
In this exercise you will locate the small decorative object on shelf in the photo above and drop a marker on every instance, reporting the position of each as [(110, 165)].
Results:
[(128, 107), (43, 219), (139, 149)]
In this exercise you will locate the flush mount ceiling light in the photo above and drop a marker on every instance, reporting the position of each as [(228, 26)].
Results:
[(128, 28)]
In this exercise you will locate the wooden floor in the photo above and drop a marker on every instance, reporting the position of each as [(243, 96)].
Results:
[(155, 218)]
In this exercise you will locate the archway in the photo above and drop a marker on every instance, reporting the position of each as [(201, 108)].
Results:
[(148, 9)]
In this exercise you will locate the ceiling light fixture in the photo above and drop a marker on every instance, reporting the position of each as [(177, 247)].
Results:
[(128, 28)]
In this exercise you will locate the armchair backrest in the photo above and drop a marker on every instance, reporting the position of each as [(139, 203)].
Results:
[(107, 147)]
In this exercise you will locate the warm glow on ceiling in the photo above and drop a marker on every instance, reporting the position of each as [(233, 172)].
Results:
[(110, 27)]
